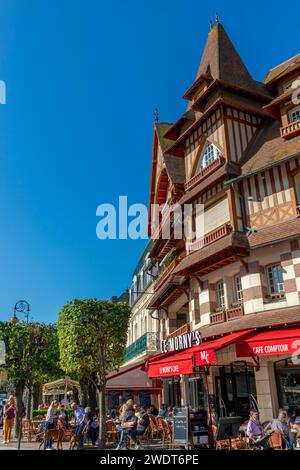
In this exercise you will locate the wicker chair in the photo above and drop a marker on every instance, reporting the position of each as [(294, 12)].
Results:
[(276, 441), (111, 434), (153, 427), (167, 436), (27, 429), (160, 428)]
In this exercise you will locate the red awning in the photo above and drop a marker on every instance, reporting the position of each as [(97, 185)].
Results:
[(271, 342), (183, 362)]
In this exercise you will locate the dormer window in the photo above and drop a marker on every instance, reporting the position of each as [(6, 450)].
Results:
[(294, 115), (209, 155)]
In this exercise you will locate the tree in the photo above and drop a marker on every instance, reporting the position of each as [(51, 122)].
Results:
[(32, 356), (92, 339)]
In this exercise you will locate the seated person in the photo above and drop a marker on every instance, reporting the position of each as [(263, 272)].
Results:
[(142, 423), (280, 425), (163, 411), (128, 428), (254, 427)]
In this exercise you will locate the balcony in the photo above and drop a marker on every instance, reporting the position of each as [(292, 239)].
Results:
[(235, 312), (290, 130), (180, 331), (165, 274), (210, 237), (226, 315), (217, 163), (147, 342), (218, 317)]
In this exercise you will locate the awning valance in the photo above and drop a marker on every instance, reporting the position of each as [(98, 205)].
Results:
[(271, 342), (183, 362)]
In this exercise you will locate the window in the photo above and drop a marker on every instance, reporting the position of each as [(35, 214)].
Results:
[(294, 115), (275, 278), (209, 154), (297, 186), (237, 290), (220, 295)]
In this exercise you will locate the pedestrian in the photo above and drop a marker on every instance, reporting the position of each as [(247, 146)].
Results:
[(91, 425), (8, 415), (50, 421), (79, 421)]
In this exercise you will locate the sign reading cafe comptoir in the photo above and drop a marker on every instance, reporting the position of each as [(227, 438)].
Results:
[(187, 340)]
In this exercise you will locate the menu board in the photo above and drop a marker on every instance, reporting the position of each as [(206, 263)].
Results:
[(181, 432)]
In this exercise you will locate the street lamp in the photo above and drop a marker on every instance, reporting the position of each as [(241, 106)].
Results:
[(22, 306)]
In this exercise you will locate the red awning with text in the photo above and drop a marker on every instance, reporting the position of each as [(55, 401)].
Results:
[(183, 362), (271, 342)]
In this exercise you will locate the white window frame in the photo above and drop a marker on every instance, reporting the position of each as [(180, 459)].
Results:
[(274, 286), (238, 297), (220, 295), (209, 154), (294, 111)]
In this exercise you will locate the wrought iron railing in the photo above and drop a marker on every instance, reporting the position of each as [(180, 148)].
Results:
[(147, 342)]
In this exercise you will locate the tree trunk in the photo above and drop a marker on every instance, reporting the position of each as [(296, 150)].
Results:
[(102, 416), (19, 387), (92, 394), (37, 395), (29, 403), (84, 392), (75, 395)]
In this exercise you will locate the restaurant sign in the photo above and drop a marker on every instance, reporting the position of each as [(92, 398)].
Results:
[(187, 340), (267, 348)]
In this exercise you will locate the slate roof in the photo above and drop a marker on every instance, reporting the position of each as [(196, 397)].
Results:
[(221, 61), (268, 149), (282, 69)]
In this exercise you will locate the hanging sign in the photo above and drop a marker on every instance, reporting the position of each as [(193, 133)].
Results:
[(187, 340)]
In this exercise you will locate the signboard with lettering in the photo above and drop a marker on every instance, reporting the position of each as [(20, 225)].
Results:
[(177, 343), (181, 428)]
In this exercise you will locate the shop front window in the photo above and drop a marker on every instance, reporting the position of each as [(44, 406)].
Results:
[(173, 393), (288, 384), (196, 394)]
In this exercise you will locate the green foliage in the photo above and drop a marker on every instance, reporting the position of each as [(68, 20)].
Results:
[(36, 413), (92, 337), (32, 353)]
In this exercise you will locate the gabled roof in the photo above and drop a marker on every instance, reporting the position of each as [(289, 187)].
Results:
[(269, 148), (221, 61), (282, 69)]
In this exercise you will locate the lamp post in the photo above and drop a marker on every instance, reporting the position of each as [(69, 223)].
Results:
[(22, 306)]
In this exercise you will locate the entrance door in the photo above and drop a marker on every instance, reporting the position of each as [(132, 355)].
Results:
[(235, 388)]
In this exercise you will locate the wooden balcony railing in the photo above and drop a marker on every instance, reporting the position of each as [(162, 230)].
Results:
[(226, 315), (165, 274), (180, 331), (235, 312), (290, 130), (217, 163), (210, 237)]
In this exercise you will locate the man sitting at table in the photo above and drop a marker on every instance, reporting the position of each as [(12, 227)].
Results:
[(254, 427), (128, 428)]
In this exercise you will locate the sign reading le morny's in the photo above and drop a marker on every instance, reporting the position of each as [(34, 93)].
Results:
[(187, 340)]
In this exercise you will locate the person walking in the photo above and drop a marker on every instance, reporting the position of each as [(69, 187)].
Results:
[(8, 415), (51, 417), (79, 421)]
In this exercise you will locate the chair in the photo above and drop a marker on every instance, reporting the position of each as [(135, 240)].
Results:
[(167, 436), (153, 427), (160, 427), (27, 429), (146, 436), (276, 441), (111, 433)]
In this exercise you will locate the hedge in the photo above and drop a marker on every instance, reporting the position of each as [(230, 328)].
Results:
[(35, 413)]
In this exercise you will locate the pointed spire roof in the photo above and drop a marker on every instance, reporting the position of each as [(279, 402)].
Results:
[(221, 61)]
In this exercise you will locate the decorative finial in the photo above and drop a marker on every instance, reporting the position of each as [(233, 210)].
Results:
[(216, 18), (210, 25), (156, 116)]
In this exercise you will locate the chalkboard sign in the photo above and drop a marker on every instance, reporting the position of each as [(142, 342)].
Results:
[(181, 429)]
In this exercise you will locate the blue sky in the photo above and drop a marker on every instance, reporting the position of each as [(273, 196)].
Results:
[(83, 79)]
